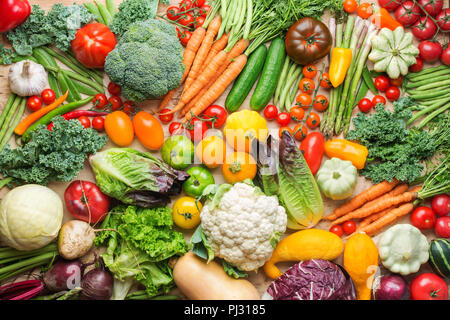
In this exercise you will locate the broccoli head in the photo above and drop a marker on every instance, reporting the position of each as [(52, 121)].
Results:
[(148, 60)]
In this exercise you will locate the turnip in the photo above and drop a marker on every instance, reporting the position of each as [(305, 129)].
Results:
[(64, 275), (75, 239)]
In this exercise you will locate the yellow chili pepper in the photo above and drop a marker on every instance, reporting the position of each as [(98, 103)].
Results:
[(347, 150), (340, 62)]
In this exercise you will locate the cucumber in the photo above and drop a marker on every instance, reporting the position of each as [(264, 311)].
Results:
[(267, 83), (246, 79), (440, 256)]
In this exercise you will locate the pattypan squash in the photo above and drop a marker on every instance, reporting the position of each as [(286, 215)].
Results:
[(337, 178), (403, 248), (393, 52)]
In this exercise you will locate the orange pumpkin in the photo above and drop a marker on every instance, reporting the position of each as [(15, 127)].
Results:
[(239, 166)]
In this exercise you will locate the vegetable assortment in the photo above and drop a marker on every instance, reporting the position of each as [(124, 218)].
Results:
[(255, 135)]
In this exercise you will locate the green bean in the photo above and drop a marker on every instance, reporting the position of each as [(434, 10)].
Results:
[(284, 70), (92, 8), (430, 94), (85, 80), (91, 73), (111, 7), (411, 76), (14, 124), (437, 104), (285, 94), (84, 89), (362, 91), (65, 87), (54, 85), (430, 77), (289, 75), (369, 81), (6, 108), (9, 116), (72, 88), (104, 12), (432, 115), (417, 84), (295, 88), (66, 61)]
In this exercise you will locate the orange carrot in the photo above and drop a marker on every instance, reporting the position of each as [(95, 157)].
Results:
[(32, 118), (218, 46), (378, 206), (365, 196), (389, 218), (218, 87), (165, 101), (192, 103)]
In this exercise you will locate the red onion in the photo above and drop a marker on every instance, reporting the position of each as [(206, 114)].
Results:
[(64, 275), (391, 287), (97, 284)]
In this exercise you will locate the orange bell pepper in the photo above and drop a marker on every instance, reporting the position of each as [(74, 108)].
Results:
[(383, 19), (347, 150)]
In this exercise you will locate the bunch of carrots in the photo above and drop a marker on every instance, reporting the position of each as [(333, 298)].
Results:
[(377, 207)]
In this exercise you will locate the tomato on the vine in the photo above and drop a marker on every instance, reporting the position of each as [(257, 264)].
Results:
[(282, 129), (186, 20), (297, 113), (417, 66), (197, 129), (204, 10), (445, 56), (382, 83), (443, 19), (442, 227), (100, 101), (199, 21), (184, 36), (309, 71), (198, 3), (304, 100), (283, 119), (389, 5), (432, 7), (172, 13), (165, 118), (392, 93), (48, 96), (300, 131), (186, 5), (378, 99), (176, 128), (325, 81), (215, 116), (408, 13), (350, 6), (364, 10), (34, 103), (428, 286), (307, 85), (270, 112), (98, 123), (128, 107), (320, 103), (115, 102), (441, 205), (337, 230), (423, 218), (114, 89), (396, 82), (365, 105), (85, 121), (424, 28), (313, 120), (349, 227), (430, 51)]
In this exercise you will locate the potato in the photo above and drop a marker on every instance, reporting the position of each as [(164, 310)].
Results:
[(75, 239)]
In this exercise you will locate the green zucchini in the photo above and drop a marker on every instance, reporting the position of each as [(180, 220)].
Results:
[(267, 83), (440, 256), (246, 79)]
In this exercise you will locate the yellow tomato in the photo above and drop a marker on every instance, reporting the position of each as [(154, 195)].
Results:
[(119, 128), (148, 130), (211, 151), (186, 213), (239, 166)]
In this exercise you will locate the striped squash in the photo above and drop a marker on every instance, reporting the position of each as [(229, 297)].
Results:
[(440, 256)]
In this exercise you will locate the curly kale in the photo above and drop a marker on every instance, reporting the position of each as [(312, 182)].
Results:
[(51, 156), (394, 150)]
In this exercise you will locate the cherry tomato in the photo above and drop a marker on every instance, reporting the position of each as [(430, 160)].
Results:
[(337, 230), (424, 28), (198, 3), (304, 100), (441, 205), (282, 129), (309, 71), (307, 85), (184, 36), (432, 7), (199, 21), (100, 101), (350, 6), (196, 129), (85, 122), (349, 227), (396, 82), (417, 66), (442, 227), (48, 96), (430, 51), (204, 10), (443, 19), (313, 120), (320, 103), (378, 99), (300, 131), (216, 116), (392, 93), (115, 102), (408, 13), (34, 103), (297, 113), (270, 112), (165, 118), (98, 123), (364, 10), (119, 128), (428, 286), (176, 128), (423, 218), (325, 81), (114, 89), (382, 83), (128, 107), (365, 105), (172, 13), (283, 119), (186, 20), (445, 56)]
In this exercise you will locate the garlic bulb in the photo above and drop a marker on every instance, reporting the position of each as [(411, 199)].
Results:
[(27, 78)]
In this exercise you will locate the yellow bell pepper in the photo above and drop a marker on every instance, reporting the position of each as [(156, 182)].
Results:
[(340, 62), (347, 150)]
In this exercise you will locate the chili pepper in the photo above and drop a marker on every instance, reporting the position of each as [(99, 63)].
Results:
[(383, 19), (13, 13), (340, 62), (22, 290), (347, 150), (78, 113)]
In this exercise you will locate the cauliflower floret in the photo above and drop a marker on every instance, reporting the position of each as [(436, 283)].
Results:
[(242, 227)]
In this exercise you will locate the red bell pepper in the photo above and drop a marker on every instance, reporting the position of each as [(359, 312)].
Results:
[(313, 147), (383, 19), (13, 13)]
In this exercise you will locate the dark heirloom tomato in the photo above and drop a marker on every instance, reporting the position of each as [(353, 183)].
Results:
[(308, 40)]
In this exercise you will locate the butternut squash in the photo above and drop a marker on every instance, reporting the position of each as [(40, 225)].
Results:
[(361, 263), (199, 280), (304, 245)]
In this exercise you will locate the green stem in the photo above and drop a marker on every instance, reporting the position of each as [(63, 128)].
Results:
[(5, 182)]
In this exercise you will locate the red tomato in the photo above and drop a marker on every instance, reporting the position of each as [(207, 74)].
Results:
[(85, 201), (186, 5), (349, 227), (204, 10), (282, 129), (216, 116), (320, 103), (176, 128), (350, 6), (364, 10), (98, 123), (85, 122), (115, 102), (396, 82), (304, 100), (428, 286), (307, 85), (441, 205), (378, 99), (337, 230), (313, 147), (283, 119), (114, 89), (365, 105), (297, 113), (172, 13), (417, 66), (442, 227), (408, 13), (184, 36), (92, 44), (199, 21), (424, 28), (186, 20), (300, 131), (445, 56), (430, 51), (34, 103), (270, 112), (389, 5), (197, 129), (198, 3), (128, 107), (100, 101), (382, 83), (165, 118), (423, 218), (392, 93), (443, 19), (309, 71), (48, 96), (325, 81), (432, 7), (313, 120)]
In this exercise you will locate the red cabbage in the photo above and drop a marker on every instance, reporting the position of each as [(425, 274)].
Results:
[(313, 280)]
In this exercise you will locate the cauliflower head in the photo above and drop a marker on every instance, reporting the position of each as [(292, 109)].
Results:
[(244, 227), (148, 60)]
